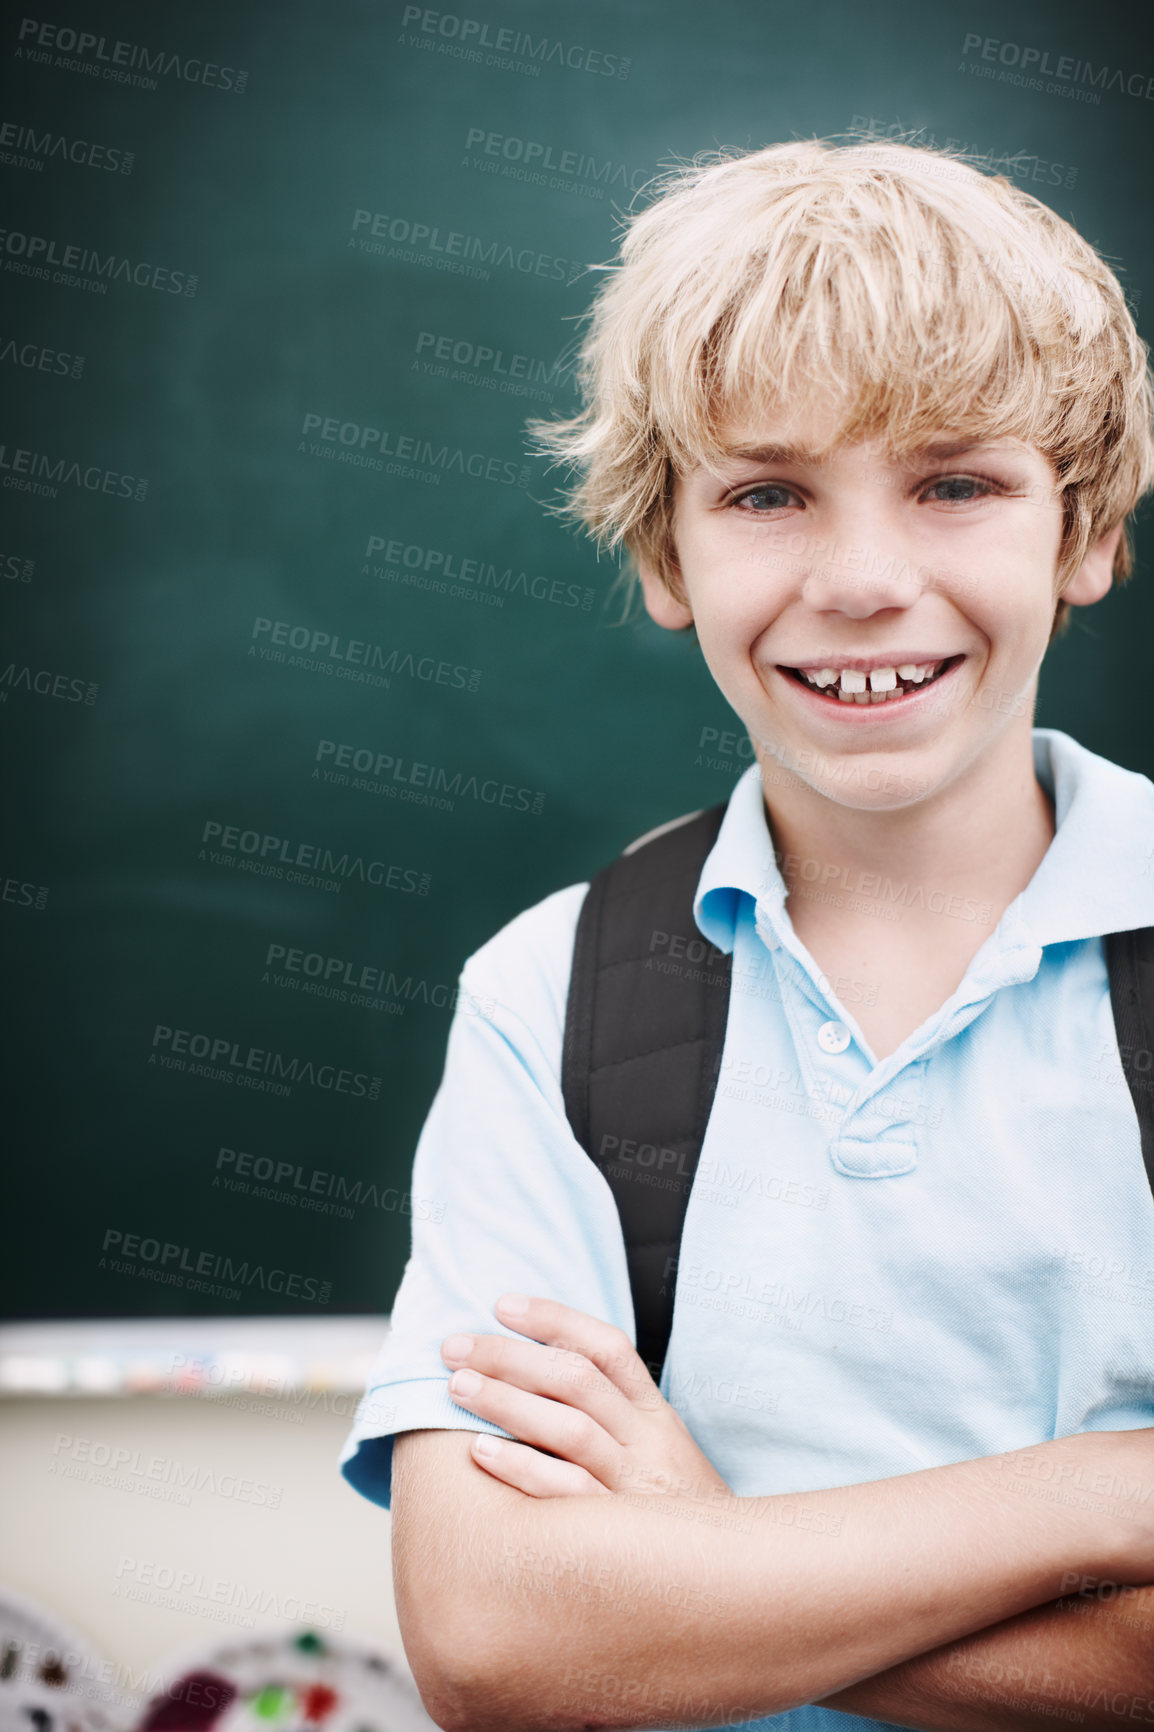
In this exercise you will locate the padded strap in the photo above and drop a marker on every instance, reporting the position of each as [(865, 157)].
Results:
[(644, 1031), (1130, 962)]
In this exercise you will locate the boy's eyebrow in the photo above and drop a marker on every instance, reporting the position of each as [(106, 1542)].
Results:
[(795, 454), (773, 454)]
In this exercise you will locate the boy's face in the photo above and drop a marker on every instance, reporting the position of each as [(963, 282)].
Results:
[(865, 562)]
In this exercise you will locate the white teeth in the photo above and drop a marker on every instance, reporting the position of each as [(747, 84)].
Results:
[(873, 685)]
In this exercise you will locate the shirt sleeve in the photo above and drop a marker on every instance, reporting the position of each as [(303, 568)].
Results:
[(504, 1198)]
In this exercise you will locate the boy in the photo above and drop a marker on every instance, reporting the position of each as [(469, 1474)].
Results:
[(871, 422)]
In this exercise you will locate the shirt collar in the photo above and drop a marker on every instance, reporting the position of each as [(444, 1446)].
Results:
[(740, 863), (1097, 875)]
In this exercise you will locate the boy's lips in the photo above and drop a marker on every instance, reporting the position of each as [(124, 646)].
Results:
[(859, 706)]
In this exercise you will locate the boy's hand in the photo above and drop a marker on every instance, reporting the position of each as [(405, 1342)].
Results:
[(578, 1390)]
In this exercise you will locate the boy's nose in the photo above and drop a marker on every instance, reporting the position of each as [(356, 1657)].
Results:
[(857, 577)]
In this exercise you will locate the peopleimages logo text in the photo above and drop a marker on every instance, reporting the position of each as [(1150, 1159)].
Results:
[(31, 149), (274, 852), (45, 470), (39, 251), (1067, 70), (474, 33), (164, 1254), (221, 1052), (119, 59), (327, 647)]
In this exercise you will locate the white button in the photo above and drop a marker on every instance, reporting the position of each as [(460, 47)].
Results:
[(833, 1037)]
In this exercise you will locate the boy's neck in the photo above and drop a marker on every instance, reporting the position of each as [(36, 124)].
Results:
[(983, 835)]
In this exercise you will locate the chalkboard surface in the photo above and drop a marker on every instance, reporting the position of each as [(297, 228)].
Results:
[(304, 693)]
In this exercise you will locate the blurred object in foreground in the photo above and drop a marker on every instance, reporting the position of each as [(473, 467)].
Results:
[(287, 1681), (281, 1680), (53, 1680)]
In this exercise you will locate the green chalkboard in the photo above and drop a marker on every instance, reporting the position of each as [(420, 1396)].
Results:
[(282, 285)]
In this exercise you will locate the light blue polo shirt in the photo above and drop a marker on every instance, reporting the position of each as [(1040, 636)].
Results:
[(884, 1266)]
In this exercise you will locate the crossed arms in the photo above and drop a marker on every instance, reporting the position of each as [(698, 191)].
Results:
[(601, 1574)]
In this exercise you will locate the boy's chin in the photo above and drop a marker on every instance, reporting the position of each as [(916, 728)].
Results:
[(859, 781), (895, 791)]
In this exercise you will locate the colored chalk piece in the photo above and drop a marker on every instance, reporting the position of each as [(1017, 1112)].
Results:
[(191, 1704), (272, 1703), (318, 1702)]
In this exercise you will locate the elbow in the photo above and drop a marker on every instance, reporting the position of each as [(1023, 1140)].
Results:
[(468, 1679), (487, 1655), (474, 1676), (459, 1698), (454, 1694), (457, 1704)]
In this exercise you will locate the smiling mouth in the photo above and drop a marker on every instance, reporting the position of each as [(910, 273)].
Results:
[(879, 686)]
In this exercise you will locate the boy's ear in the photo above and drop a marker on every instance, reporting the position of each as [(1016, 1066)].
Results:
[(1094, 576), (662, 608)]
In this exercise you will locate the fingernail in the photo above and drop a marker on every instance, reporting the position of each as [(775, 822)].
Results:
[(486, 1445), (513, 1304), (464, 1383), (457, 1346)]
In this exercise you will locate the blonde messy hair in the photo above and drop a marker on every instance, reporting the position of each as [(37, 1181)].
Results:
[(921, 292)]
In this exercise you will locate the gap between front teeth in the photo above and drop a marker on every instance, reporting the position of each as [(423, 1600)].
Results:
[(852, 686)]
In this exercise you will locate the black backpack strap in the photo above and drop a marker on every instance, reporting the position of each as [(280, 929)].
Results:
[(644, 1030), (1130, 962)]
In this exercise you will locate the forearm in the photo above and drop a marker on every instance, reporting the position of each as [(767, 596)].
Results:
[(1089, 1657), (622, 1612)]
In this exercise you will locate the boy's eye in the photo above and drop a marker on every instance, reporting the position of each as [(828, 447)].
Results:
[(958, 489), (945, 489), (771, 496)]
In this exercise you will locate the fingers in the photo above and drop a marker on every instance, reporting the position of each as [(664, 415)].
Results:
[(548, 1371), (603, 1344), (531, 1472), (563, 1431)]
